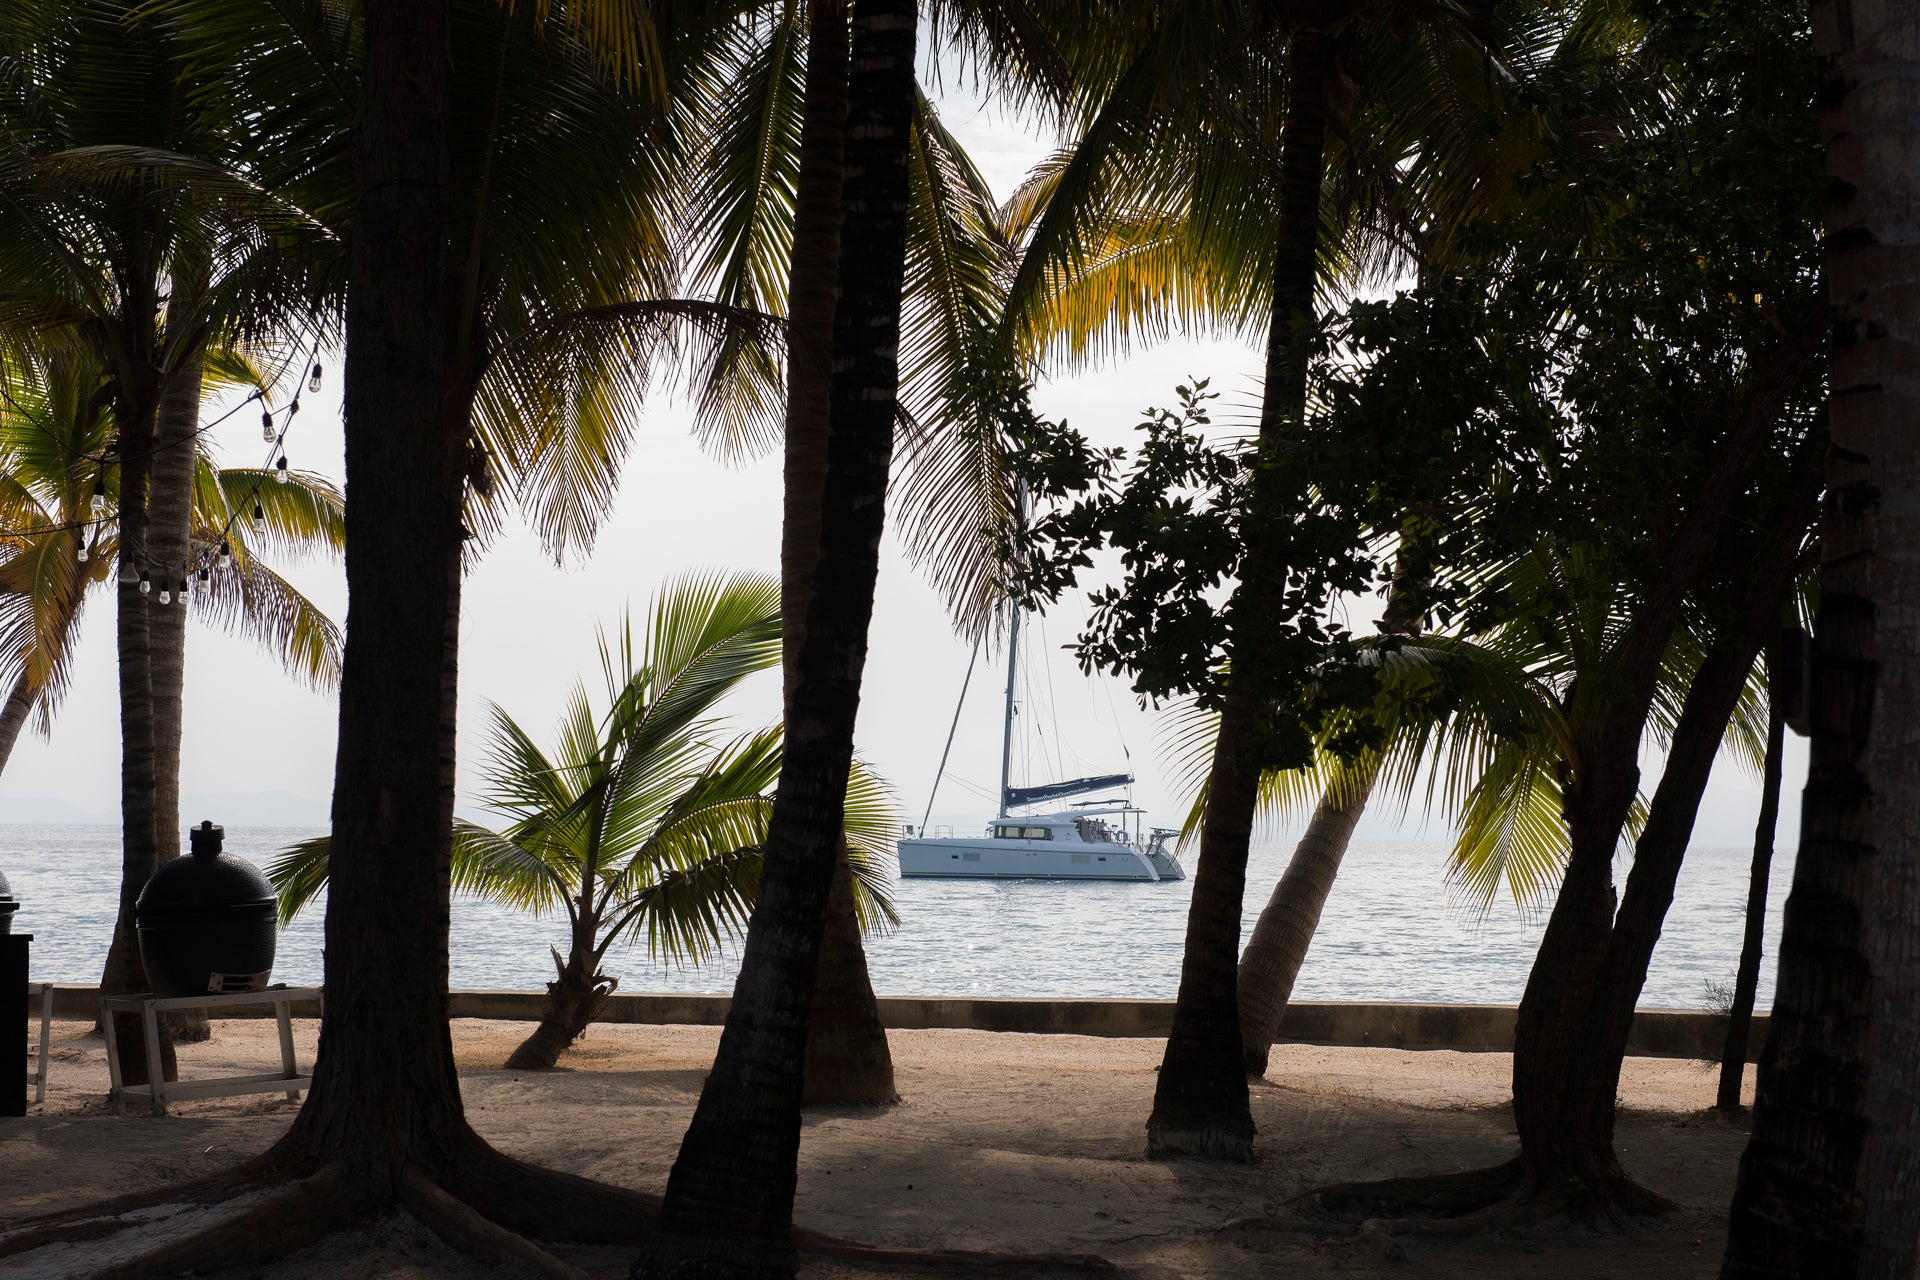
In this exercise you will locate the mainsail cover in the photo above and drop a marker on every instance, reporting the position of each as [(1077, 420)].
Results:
[(1020, 797)]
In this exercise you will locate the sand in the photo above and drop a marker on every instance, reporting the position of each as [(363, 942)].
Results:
[(1026, 1143)]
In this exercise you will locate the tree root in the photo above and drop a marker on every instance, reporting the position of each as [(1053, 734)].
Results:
[(473, 1234), (1479, 1202), (489, 1207)]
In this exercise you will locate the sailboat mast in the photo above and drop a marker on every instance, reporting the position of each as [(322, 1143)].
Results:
[(1013, 665)]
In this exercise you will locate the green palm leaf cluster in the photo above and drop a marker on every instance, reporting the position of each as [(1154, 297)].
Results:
[(642, 822), (59, 540)]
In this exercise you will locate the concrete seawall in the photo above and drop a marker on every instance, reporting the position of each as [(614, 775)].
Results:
[(1469, 1028)]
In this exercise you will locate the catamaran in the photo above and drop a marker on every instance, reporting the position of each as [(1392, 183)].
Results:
[(1093, 840)]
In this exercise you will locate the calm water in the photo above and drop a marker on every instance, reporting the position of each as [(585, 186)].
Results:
[(1390, 931)]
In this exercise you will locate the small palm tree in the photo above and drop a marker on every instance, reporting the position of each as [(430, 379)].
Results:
[(643, 822)]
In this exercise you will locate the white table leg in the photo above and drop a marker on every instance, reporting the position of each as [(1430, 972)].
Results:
[(113, 1061), (284, 1009), (156, 1074)]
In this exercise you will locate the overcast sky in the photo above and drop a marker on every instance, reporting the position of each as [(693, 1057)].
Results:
[(258, 747)]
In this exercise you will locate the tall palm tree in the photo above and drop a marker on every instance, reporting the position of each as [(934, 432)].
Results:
[(729, 1199), (643, 824), (55, 550), (129, 234), (1223, 159), (1827, 1182)]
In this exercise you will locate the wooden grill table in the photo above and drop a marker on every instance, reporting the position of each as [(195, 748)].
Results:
[(288, 1079)]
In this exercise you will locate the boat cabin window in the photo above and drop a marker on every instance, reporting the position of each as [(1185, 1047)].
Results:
[(1022, 833), (1094, 831)]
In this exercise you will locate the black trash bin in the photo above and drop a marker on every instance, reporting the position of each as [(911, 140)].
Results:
[(7, 904), (207, 922)]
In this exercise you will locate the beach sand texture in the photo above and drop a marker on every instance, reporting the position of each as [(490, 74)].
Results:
[(1023, 1143)]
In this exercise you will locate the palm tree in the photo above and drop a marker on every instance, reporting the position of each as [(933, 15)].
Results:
[(55, 548), (1224, 159), (729, 1199), (642, 824), (1827, 1182)]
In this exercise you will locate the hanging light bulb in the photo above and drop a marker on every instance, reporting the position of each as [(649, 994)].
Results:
[(183, 591), (205, 573), (126, 570), (100, 494), (313, 383), (166, 596), (146, 584), (226, 556), (259, 519), (280, 469), (266, 425), (81, 554)]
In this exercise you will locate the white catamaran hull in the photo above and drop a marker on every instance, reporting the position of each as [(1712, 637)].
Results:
[(982, 858)]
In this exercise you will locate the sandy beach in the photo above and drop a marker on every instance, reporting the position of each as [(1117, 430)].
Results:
[(1008, 1142)]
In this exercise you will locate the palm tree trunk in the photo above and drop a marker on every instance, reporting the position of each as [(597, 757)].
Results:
[(729, 1202), (575, 1000), (1746, 982), (847, 1055), (385, 1096), (1286, 926), (177, 424), (1827, 1185), (13, 716), (124, 973), (1200, 1104)]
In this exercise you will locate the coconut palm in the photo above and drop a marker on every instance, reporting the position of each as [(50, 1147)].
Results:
[(129, 235), (643, 823), (1827, 1182), (55, 549)]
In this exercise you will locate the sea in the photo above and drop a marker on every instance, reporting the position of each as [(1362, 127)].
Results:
[(1393, 929)]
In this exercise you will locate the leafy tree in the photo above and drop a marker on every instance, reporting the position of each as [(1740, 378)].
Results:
[(642, 824)]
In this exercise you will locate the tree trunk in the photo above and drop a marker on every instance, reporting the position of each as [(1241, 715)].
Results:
[(169, 541), (575, 999), (1827, 1185), (856, 1054), (385, 1094), (1286, 926), (729, 1202), (847, 1058), (1566, 1073), (1200, 1105), (139, 842), (1746, 982), (13, 716)]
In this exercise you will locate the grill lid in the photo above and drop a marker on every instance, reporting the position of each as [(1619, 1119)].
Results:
[(205, 880)]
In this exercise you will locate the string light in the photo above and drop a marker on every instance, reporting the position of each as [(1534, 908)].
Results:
[(166, 596), (126, 570), (259, 519), (81, 554), (146, 584), (100, 494), (280, 469), (226, 556), (183, 591), (313, 383), (205, 574), (267, 432)]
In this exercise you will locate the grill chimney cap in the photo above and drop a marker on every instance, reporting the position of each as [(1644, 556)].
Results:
[(206, 839)]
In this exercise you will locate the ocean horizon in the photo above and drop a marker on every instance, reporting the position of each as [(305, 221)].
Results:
[(1393, 929)]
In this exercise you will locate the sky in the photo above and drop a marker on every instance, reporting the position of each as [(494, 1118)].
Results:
[(259, 749)]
